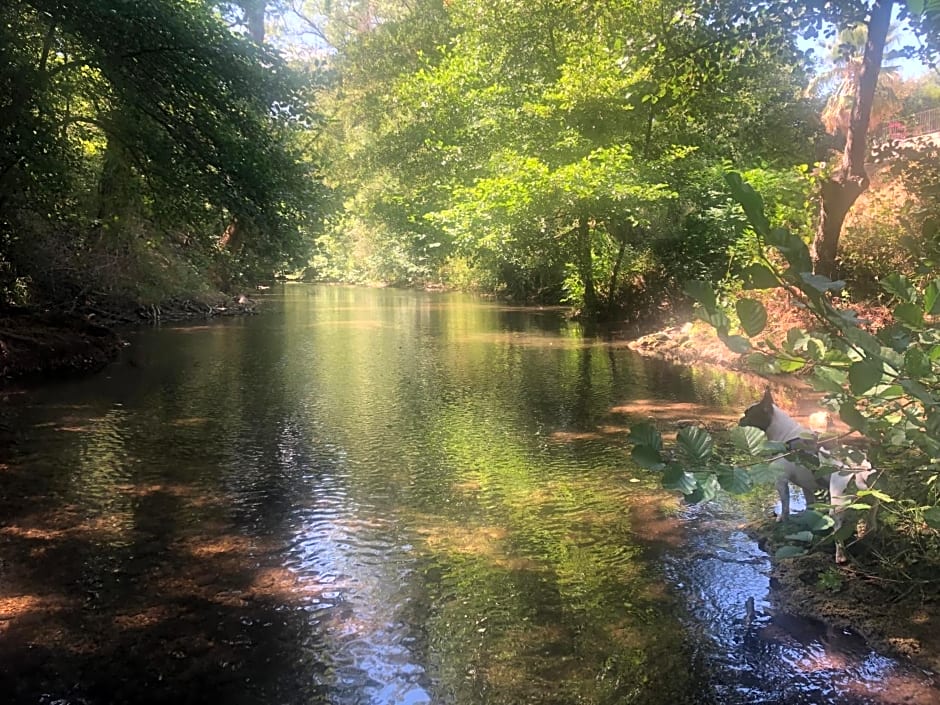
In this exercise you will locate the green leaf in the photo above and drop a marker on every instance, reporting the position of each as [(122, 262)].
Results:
[(932, 298), (758, 276), (877, 494), (676, 478), (852, 418), (750, 201), (863, 339), (736, 343), (792, 248), (696, 443), (645, 434), (749, 439), (802, 536), (916, 389), (789, 552), (647, 457), (909, 313), (752, 314), (932, 517), (900, 286), (797, 339), (762, 363), (703, 293), (763, 473), (815, 521), (916, 363), (865, 374), (790, 364), (734, 480), (816, 349), (828, 379), (716, 319), (820, 283), (708, 487)]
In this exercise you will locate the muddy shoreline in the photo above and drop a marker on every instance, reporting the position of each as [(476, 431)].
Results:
[(896, 619), (36, 345)]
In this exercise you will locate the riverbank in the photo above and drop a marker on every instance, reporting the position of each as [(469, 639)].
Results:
[(54, 344), (894, 614)]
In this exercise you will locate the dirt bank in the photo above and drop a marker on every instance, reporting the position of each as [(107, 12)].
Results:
[(895, 614), (36, 345), (47, 344)]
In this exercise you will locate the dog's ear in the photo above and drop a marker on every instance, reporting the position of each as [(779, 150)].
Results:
[(768, 399)]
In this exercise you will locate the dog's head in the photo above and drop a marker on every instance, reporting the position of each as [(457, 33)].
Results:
[(760, 414)]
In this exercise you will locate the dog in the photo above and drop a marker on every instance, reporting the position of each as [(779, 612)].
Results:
[(802, 442)]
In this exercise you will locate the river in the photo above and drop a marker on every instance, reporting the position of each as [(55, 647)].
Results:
[(382, 497)]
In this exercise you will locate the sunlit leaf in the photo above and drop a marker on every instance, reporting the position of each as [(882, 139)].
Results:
[(816, 349), (877, 494), (790, 364)]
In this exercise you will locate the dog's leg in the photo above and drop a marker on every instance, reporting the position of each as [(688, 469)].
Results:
[(783, 490)]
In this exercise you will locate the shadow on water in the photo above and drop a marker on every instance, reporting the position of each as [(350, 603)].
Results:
[(383, 498)]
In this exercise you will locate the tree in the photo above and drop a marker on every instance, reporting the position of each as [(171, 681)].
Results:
[(161, 94), (841, 81), (841, 188), (883, 385), (510, 86)]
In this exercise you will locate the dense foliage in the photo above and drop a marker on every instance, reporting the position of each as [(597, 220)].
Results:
[(133, 136), (555, 153), (882, 383)]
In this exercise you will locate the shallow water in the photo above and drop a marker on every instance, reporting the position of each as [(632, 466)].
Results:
[(383, 497)]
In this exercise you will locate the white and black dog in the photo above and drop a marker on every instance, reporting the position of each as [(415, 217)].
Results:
[(781, 427)]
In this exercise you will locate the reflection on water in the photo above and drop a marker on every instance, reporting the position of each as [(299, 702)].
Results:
[(383, 497)]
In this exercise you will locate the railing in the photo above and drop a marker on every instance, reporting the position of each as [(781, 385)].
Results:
[(923, 123)]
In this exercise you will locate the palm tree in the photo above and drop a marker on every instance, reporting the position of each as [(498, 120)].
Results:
[(840, 81)]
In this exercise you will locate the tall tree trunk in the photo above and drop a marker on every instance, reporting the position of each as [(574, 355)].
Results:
[(586, 267), (254, 19), (621, 232), (850, 180)]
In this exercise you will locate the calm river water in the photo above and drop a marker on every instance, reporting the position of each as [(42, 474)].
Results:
[(383, 497)]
